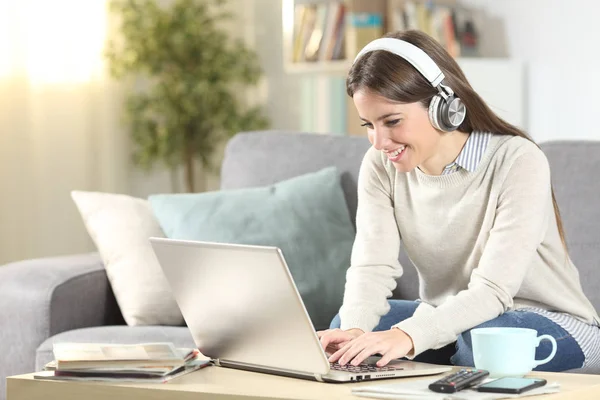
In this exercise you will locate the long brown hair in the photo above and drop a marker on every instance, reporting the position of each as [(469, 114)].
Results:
[(394, 78)]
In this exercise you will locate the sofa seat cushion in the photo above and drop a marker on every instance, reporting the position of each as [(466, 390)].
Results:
[(122, 334)]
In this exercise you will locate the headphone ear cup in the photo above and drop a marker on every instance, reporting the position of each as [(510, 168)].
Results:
[(453, 113), (434, 112), (447, 115)]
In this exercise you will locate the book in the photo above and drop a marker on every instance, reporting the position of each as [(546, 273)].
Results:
[(334, 9), (75, 356), (362, 28), (123, 375), (146, 362), (311, 52)]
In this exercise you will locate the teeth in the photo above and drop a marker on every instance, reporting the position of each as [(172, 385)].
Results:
[(396, 152)]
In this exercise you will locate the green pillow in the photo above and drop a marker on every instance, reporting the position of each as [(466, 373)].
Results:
[(306, 217)]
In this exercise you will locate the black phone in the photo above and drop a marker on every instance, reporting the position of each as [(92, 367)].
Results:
[(511, 385)]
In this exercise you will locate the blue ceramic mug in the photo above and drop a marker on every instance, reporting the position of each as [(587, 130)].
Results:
[(508, 351)]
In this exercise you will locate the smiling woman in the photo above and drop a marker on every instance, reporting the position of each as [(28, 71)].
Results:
[(58, 123), (459, 188)]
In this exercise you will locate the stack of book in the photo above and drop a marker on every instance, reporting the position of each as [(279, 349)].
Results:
[(146, 362)]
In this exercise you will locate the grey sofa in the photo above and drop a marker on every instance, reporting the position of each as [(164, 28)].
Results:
[(69, 298)]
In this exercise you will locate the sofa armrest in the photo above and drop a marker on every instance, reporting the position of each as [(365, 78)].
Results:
[(42, 297)]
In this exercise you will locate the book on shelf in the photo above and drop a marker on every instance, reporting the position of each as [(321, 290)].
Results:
[(145, 362), (362, 28), (318, 33)]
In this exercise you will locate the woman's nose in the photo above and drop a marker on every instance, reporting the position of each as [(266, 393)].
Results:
[(379, 139)]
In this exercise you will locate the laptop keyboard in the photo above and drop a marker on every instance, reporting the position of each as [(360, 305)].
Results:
[(359, 368)]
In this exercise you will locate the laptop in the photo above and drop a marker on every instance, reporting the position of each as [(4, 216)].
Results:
[(245, 312)]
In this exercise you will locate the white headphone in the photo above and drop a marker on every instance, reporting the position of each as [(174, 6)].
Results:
[(446, 111)]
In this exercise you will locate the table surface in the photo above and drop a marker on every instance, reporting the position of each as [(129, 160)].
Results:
[(224, 383)]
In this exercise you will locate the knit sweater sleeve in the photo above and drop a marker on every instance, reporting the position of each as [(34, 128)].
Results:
[(374, 268), (519, 227)]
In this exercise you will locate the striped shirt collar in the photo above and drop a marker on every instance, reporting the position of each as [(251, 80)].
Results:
[(471, 154)]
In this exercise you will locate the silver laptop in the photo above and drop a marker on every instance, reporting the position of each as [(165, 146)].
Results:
[(244, 311)]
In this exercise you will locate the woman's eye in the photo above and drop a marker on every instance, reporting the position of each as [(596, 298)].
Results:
[(367, 124), (392, 122)]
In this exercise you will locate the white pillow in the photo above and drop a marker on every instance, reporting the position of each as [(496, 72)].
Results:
[(120, 226)]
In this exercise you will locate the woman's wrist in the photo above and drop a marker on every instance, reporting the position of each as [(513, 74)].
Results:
[(406, 336)]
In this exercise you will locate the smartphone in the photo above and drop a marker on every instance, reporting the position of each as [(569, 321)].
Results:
[(511, 385)]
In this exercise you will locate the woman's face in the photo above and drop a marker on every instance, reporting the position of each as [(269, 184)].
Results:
[(402, 131)]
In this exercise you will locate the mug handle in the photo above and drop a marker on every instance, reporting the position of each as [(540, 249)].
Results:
[(552, 353)]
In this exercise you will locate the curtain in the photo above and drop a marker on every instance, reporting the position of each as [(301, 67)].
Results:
[(59, 124)]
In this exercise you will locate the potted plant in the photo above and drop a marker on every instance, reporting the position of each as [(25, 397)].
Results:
[(186, 77)]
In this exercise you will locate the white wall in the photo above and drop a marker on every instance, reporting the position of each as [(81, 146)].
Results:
[(280, 92), (558, 41)]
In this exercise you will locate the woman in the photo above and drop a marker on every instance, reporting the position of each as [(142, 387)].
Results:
[(469, 196)]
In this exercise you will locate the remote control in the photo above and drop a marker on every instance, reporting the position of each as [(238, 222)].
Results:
[(458, 380)]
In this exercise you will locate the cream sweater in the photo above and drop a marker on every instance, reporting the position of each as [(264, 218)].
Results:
[(483, 242)]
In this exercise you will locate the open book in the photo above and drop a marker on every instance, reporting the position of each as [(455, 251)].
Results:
[(147, 356), (146, 362), (123, 375)]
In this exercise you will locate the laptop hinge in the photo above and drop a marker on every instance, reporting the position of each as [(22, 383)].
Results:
[(276, 371)]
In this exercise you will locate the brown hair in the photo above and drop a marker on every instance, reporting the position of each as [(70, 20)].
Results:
[(394, 78)]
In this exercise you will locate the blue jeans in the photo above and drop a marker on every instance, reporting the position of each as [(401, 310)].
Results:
[(568, 354)]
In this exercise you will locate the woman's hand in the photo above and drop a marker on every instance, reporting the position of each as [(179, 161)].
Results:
[(334, 339), (391, 344)]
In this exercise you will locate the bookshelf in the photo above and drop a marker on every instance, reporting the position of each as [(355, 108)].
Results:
[(324, 105), (321, 36)]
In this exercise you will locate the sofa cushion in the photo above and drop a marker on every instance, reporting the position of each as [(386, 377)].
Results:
[(265, 157), (120, 226), (306, 217), (123, 334)]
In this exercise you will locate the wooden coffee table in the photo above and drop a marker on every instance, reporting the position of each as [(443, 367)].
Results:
[(223, 383)]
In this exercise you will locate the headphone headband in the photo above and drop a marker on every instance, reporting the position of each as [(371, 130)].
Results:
[(411, 53)]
